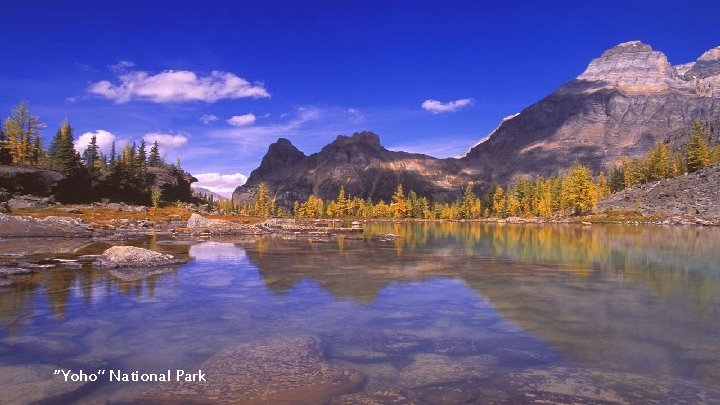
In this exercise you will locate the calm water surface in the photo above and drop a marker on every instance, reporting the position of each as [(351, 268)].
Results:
[(612, 313)]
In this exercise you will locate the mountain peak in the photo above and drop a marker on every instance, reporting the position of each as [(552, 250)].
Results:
[(279, 154), (711, 55), (365, 137), (630, 66), (627, 47)]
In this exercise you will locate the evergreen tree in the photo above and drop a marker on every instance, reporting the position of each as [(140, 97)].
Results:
[(697, 153), (63, 156), (113, 153), (91, 156), (155, 160), (5, 157), (617, 179), (142, 154), (342, 208)]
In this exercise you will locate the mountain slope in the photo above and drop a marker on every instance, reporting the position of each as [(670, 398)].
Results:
[(626, 100), (696, 194)]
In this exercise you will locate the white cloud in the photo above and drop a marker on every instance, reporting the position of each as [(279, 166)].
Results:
[(208, 119), (122, 66), (174, 86), (166, 141), (437, 107), (355, 114), (103, 138), (242, 120), (223, 184)]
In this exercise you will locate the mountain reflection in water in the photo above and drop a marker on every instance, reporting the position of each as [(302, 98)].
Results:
[(635, 309)]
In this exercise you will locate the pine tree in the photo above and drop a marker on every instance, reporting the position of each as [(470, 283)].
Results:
[(498, 202), (91, 156), (545, 199), (617, 179), (697, 153), (341, 208), (398, 206), (578, 189), (155, 160), (113, 153), (5, 157), (62, 155), (142, 154), (470, 205), (262, 204), (22, 129), (659, 163)]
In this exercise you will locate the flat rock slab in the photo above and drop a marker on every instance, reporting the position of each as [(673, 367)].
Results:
[(199, 224), (289, 370), (23, 226), (31, 383), (130, 256)]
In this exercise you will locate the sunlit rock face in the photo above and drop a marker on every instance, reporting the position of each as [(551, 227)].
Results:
[(626, 100)]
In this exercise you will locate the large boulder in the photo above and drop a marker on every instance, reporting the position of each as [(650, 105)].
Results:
[(52, 226), (130, 256), (286, 370), (199, 224), (25, 180)]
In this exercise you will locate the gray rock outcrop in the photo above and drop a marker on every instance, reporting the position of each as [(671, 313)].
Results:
[(696, 194), (130, 256), (23, 226), (288, 370)]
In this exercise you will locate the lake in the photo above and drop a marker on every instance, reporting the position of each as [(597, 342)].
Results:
[(444, 313)]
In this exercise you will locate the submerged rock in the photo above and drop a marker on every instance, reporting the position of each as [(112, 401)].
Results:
[(14, 271), (435, 369), (32, 383), (289, 370), (199, 224), (374, 398), (4, 283), (130, 256), (23, 226)]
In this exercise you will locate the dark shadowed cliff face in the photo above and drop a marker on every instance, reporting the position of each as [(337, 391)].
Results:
[(357, 162), (626, 100)]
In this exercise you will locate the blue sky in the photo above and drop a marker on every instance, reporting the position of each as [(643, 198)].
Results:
[(180, 71)]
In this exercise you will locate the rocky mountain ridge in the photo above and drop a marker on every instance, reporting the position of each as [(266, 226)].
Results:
[(359, 163), (627, 100)]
